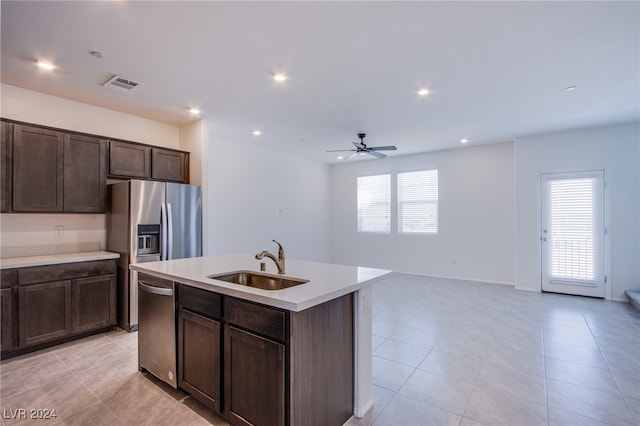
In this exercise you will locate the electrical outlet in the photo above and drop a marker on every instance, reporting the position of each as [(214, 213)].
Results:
[(59, 231)]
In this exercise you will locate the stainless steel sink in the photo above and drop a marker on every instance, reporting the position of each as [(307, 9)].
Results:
[(257, 280)]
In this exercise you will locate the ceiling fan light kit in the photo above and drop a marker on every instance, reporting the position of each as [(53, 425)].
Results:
[(363, 149)]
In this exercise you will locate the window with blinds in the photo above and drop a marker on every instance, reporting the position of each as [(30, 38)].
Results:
[(573, 227), (374, 204), (418, 202)]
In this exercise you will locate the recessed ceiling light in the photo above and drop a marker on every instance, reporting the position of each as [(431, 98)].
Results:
[(45, 65), (257, 132), (279, 77), (340, 157), (194, 111), (570, 88), (423, 91), (464, 140)]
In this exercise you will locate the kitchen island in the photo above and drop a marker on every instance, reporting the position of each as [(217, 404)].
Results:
[(317, 317)]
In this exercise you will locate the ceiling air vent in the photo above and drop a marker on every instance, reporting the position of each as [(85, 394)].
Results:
[(121, 84)]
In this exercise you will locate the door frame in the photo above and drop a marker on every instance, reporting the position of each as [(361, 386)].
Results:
[(606, 216)]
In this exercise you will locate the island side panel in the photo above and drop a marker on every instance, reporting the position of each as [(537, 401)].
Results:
[(322, 363), (363, 398)]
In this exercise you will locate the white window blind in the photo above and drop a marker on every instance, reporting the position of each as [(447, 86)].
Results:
[(574, 212), (374, 203), (418, 202)]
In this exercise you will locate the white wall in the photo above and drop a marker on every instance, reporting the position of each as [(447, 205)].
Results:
[(36, 231), (612, 148), (37, 108), (476, 216), (256, 194), (192, 137)]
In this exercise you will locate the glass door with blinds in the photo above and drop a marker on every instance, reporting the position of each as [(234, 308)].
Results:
[(573, 233)]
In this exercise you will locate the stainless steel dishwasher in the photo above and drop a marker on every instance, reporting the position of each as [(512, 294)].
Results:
[(157, 328)]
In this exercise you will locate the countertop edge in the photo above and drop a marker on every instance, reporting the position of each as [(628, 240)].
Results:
[(230, 290), (56, 259)]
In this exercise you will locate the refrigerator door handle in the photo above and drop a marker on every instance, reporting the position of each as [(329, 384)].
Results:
[(169, 232), (163, 232)]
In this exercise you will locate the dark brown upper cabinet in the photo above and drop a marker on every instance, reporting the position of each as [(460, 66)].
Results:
[(169, 165), (6, 171), (49, 170), (129, 160), (85, 174), (38, 162), (55, 171)]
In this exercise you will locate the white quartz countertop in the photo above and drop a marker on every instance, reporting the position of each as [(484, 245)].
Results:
[(326, 281), (54, 259)]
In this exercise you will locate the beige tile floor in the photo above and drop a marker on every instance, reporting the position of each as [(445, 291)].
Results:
[(445, 353)]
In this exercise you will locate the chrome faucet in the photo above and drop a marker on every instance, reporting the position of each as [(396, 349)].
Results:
[(279, 261)]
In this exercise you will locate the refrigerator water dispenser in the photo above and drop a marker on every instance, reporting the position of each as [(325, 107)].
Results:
[(148, 239)]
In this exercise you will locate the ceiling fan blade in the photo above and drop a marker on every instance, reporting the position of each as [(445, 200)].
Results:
[(383, 148), (350, 155), (376, 154), (359, 145), (341, 150)]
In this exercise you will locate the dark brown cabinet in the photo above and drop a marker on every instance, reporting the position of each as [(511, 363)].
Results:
[(254, 359), (93, 303), (38, 161), (8, 282), (44, 311), (85, 174), (6, 322), (169, 165), (48, 170), (199, 353), (253, 366), (137, 161), (213, 368), (57, 302), (6, 171), (52, 171), (200, 345), (129, 160), (255, 363)]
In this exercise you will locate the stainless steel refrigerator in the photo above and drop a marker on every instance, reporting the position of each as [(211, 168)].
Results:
[(149, 221)]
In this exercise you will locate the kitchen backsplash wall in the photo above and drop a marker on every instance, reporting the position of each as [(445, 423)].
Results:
[(43, 234)]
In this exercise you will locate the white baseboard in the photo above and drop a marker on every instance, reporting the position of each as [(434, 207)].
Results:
[(453, 278), (362, 411), (531, 290)]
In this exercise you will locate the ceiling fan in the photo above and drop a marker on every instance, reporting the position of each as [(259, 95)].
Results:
[(363, 149)]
